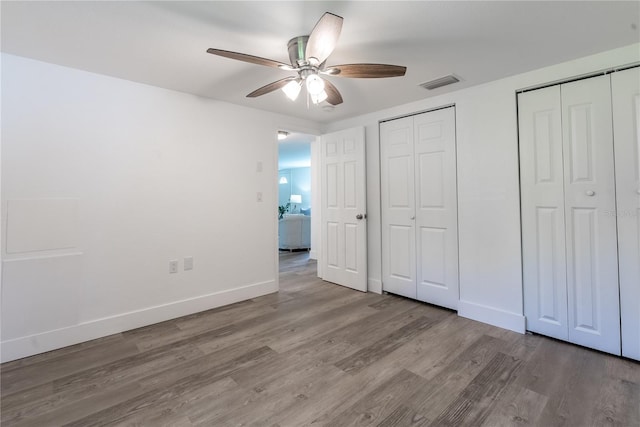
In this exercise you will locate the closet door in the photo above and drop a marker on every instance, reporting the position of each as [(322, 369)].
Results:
[(626, 119), (592, 261), (436, 208), (543, 232), (398, 209)]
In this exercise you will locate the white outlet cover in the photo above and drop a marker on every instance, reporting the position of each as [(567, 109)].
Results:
[(188, 263), (173, 266)]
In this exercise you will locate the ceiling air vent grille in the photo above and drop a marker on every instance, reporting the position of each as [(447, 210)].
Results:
[(442, 81)]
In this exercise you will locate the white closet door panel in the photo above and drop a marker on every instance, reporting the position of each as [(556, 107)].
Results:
[(592, 273), (436, 207), (398, 210), (626, 121), (543, 233)]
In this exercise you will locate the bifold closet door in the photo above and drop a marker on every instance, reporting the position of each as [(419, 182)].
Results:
[(398, 207), (543, 232), (419, 207), (626, 121), (591, 235), (436, 209), (569, 238)]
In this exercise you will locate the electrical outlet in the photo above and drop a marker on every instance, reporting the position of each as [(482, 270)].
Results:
[(173, 266), (188, 263), (259, 196)]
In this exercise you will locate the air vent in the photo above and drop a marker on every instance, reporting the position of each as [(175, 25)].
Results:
[(442, 81)]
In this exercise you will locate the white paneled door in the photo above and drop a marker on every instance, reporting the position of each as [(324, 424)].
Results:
[(626, 118), (570, 252), (419, 207), (543, 232), (436, 212), (398, 217), (343, 198), (592, 248)]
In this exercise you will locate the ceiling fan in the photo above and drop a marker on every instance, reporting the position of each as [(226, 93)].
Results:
[(308, 55)]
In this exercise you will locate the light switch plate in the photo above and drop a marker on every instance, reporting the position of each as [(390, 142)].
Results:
[(188, 263)]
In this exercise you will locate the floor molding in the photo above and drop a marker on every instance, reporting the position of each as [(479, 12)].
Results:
[(493, 316), (46, 341)]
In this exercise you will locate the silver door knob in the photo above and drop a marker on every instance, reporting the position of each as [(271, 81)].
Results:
[(359, 216), (412, 218), (590, 193), (638, 191)]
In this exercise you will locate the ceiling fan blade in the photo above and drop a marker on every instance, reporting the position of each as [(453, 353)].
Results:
[(333, 96), (249, 58), (271, 87), (367, 71), (323, 38)]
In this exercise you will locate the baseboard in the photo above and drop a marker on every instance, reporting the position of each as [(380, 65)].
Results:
[(492, 316), (374, 285), (39, 343), (313, 254)]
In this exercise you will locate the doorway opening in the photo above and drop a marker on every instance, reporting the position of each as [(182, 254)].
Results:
[(296, 188)]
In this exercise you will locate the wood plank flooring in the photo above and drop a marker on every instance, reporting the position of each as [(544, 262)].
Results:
[(320, 354)]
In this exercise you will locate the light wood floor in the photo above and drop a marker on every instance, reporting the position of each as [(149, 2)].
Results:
[(317, 353)]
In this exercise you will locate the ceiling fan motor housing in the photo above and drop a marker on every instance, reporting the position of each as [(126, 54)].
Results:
[(297, 47)]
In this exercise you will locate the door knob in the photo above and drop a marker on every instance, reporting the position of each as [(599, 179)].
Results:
[(638, 191), (359, 216), (412, 218), (590, 193)]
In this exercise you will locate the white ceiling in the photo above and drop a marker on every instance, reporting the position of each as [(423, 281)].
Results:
[(164, 43)]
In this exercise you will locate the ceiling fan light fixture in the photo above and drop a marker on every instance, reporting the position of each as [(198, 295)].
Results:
[(292, 89), (315, 85), (316, 99)]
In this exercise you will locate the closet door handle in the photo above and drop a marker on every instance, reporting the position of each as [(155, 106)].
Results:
[(412, 218), (638, 191), (359, 216), (590, 193)]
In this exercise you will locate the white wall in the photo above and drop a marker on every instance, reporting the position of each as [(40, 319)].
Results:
[(298, 182), (104, 181), (488, 185)]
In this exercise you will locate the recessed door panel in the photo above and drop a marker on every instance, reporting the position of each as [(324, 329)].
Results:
[(332, 186), (350, 185), (432, 169), (584, 283), (401, 264), (550, 285), (333, 244), (580, 142), (433, 262), (351, 247), (544, 137), (399, 185)]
